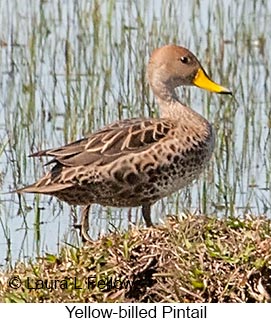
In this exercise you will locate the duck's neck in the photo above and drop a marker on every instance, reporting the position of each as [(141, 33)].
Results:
[(171, 106), (172, 109)]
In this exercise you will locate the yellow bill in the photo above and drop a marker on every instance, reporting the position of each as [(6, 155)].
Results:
[(203, 81)]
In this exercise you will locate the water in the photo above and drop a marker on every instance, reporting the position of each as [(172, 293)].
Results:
[(68, 68)]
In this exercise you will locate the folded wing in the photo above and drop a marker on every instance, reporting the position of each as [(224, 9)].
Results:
[(111, 142)]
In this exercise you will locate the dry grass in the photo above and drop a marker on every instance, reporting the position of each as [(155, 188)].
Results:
[(193, 259)]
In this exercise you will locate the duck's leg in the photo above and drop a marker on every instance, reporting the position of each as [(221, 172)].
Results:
[(129, 218), (146, 212), (85, 223), (83, 226)]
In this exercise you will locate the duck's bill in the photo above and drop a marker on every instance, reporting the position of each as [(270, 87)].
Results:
[(203, 81)]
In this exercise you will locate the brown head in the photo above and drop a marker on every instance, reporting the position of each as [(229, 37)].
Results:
[(171, 66)]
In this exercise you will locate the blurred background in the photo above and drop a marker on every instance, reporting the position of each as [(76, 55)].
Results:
[(70, 67)]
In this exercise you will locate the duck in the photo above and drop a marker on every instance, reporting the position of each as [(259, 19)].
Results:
[(136, 162)]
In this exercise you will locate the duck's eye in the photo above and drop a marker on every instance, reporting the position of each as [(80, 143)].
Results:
[(185, 59)]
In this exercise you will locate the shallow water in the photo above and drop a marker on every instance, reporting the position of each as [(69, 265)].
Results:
[(68, 68)]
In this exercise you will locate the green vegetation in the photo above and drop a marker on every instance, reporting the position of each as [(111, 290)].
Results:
[(193, 259)]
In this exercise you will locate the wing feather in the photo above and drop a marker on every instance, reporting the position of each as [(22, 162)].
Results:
[(111, 142)]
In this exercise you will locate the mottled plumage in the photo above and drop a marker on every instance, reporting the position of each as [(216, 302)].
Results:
[(136, 162)]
